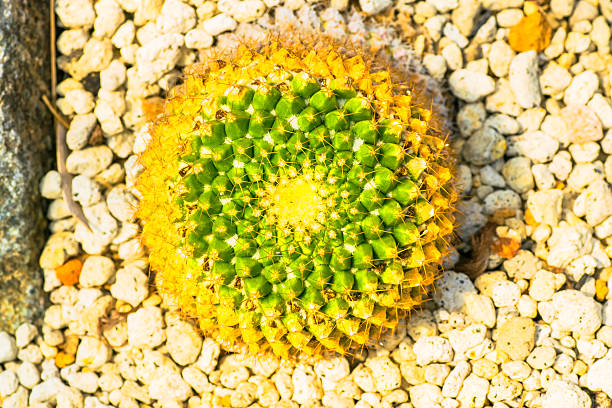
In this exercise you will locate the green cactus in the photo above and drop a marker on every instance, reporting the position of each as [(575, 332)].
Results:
[(294, 199)]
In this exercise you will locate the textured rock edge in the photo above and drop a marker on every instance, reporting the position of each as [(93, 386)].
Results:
[(25, 148)]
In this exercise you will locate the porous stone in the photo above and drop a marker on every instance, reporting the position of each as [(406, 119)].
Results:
[(516, 337), (474, 391), (75, 13), (567, 243), (502, 199), (145, 327), (157, 57), (452, 289), (131, 285), (306, 386), (425, 396), (576, 312), (176, 17), (184, 343), (554, 80), (433, 349), (545, 206), (564, 394), (602, 108), (109, 18), (386, 374)]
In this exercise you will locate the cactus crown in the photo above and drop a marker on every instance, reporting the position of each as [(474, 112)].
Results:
[(295, 199)]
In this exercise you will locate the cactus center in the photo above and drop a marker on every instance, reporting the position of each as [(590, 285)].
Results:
[(297, 203)]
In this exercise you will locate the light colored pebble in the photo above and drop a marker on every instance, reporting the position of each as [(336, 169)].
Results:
[(8, 347), (124, 35), (462, 340), (523, 77), (474, 391), (436, 373), (500, 56), (537, 146), (8, 383), (28, 375), (109, 17), (581, 89), (50, 185), (543, 177), (184, 343), (452, 288), (542, 357), (209, 356), (131, 285), (470, 86), (372, 7), (219, 24), (85, 190), (489, 176), (92, 353), (169, 385), (563, 394), (425, 396), (602, 108), (516, 337), (75, 13), (433, 349), (176, 17), (104, 228), (155, 58), (306, 386), (567, 243), (25, 333), (90, 161), (505, 293), (145, 328), (576, 312)]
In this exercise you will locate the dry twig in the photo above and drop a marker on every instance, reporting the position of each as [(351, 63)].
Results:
[(61, 124)]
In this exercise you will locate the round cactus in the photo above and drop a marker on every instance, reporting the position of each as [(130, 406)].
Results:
[(295, 199)]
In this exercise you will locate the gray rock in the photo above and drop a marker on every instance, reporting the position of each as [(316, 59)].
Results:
[(501, 199), (484, 146), (25, 145), (517, 172)]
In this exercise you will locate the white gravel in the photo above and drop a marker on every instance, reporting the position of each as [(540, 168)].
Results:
[(534, 134)]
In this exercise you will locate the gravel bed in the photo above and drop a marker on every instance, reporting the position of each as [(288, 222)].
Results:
[(534, 138)]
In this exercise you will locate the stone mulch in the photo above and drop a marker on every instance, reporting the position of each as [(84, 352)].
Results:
[(534, 137)]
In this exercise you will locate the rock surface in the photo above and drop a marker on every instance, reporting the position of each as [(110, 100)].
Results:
[(26, 130)]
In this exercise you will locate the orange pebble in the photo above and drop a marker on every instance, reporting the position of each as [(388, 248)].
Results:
[(533, 32), (63, 359), (601, 290), (69, 272)]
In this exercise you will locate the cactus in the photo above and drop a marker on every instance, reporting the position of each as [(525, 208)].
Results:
[(295, 199)]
